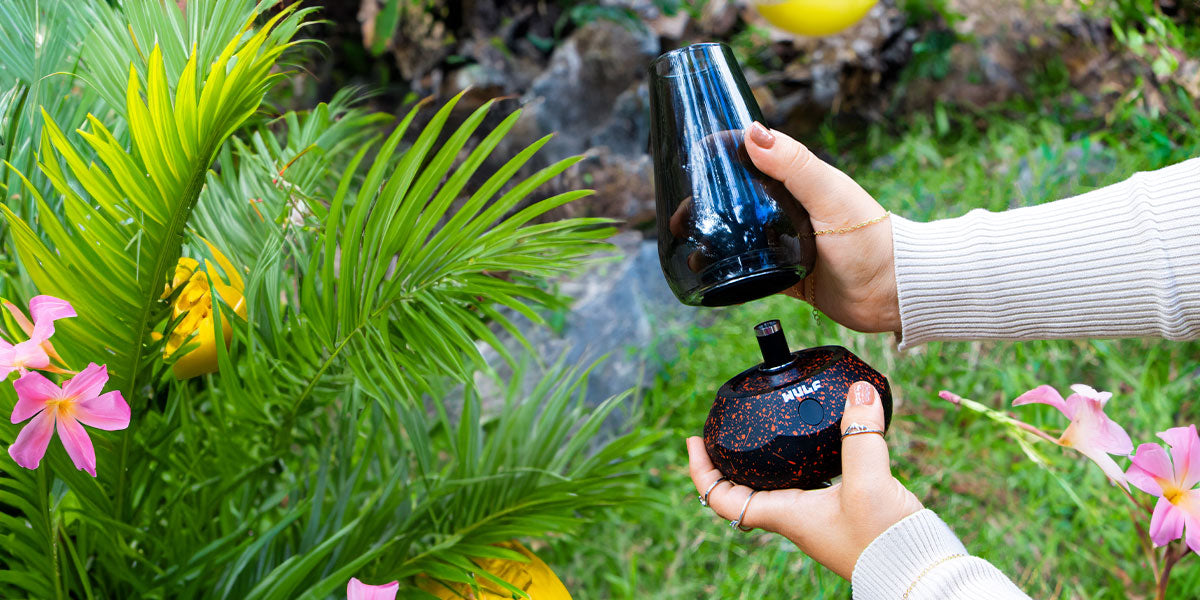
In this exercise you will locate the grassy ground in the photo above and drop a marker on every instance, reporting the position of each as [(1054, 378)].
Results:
[(1006, 509)]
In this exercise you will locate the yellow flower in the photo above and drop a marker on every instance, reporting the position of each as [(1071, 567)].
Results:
[(194, 304), (813, 17), (534, 578)]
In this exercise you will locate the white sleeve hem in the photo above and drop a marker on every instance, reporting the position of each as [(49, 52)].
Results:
[(919, 558)]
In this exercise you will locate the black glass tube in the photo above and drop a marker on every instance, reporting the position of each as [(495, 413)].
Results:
[(727, 233)]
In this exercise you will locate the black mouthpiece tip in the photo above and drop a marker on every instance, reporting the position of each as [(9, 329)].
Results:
[(773, 344)]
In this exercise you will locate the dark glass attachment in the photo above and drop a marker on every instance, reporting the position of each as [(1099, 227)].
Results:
[(727, 233), (777, 425)]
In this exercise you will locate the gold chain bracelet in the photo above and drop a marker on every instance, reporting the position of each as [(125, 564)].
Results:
[(926, 572), (850, 228)]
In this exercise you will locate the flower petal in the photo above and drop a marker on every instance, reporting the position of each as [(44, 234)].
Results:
[(30, 446), (1116, 439), (19, 317), (45, 310), (78, 445), (1185, 453), (949, 396), (1106, 464), (1150, 463), (109, 412), (1091, 427), (235, 278), (29, 354), (88, 383), (1166, 524), (33, 390), (1088, 391), (357, 590), (1190, 506), (1043, 394)]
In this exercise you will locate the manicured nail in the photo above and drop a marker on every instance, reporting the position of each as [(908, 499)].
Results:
[(761, 136), (862, 394)]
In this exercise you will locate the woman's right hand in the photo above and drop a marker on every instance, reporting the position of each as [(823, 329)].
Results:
[(833, 525), (855, 277)]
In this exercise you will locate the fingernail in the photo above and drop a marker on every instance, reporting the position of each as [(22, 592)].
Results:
[(761, 136), (862, 394)]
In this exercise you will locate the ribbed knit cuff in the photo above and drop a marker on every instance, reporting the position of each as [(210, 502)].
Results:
[(1120, 261), (919, 558), (893, 561)]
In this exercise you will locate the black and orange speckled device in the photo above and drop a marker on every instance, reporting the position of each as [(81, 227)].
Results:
[(777, 425)]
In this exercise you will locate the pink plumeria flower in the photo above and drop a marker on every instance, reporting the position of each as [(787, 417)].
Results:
[(357, 590), (1178, 504), (35, 352), (1091, 432), (77, 403)]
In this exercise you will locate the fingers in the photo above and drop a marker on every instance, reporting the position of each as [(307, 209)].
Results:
[(829, 195), (726, 499), (681, 217), (864, 457)]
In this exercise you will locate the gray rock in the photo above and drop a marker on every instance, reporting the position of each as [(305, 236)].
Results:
[(623, 309), (588, 73), (627, 130)]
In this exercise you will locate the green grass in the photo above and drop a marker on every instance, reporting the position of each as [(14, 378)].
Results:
[(1004, 507)]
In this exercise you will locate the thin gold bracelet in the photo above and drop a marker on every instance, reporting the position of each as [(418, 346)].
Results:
[(850, 228), (926, 572)]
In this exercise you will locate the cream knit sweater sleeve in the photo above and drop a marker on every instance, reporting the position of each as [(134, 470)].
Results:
[(919, 558), (1119, 261)]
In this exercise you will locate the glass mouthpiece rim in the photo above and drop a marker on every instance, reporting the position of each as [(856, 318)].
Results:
[(767, 328)]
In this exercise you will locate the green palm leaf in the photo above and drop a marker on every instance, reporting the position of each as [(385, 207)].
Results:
[(124, 222)]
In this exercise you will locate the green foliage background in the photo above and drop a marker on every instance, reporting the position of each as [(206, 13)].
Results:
[(325, 448), (343, 435)]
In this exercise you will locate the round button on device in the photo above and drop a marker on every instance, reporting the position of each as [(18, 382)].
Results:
[(811, 411)]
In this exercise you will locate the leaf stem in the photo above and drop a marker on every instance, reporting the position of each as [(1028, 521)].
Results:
[(173, 238), (1034, 430), (51, 528)]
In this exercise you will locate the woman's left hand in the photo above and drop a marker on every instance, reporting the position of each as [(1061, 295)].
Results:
[(832, 525)]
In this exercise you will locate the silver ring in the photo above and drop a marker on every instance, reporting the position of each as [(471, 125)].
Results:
[(704, 498), (737, 523), (859, 429)]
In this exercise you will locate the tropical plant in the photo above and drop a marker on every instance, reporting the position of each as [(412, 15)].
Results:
[(342, 434)]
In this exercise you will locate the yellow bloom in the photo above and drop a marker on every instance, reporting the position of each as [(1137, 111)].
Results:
[(194, 304), (534, 578), (813, 17)]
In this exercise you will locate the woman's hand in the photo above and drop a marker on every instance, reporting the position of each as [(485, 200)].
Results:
[(832, 525), (854, 278)]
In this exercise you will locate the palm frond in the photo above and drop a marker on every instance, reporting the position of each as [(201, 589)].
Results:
[(411, 290), (137, 206), (41, 57), (125, 35), (534, 470)]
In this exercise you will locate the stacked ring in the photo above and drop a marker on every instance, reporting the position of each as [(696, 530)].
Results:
[(859, 429), (704, 498), (737, 523)]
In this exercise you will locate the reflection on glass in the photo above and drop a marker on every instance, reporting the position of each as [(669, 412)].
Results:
[(726, 233)]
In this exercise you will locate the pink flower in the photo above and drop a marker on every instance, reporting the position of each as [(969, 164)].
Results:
[(35, 352), (1091, 432), (357, 590), (78, 401), (1178, 504)]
